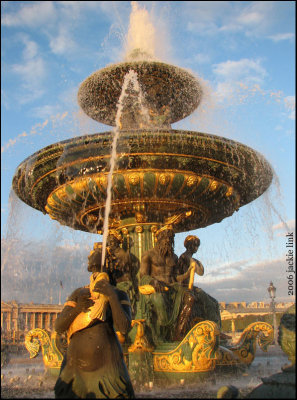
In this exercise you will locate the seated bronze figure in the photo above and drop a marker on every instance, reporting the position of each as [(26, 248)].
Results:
[(170, 305)]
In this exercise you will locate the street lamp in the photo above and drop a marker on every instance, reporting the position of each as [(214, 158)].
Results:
[(271, 290)]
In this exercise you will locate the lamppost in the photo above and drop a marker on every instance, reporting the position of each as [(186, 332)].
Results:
[(271, 290)]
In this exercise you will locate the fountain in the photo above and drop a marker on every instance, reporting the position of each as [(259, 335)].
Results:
[(138, 180), (191, 178)]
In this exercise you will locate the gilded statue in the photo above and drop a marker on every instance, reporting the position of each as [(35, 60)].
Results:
[(123, 266), (206, 307), (93, 366)]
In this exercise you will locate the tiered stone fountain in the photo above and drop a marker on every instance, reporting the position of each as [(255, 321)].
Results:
[(162, 176), (191, 178)]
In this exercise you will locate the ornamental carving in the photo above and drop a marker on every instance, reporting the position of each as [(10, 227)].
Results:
[(195, 353), (134, 179), (244, 351), (51, 346)]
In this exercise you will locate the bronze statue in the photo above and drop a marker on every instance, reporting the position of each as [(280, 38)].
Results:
[(169, 303), (123, 266), (93, 366), (186, 260), (206, 307)]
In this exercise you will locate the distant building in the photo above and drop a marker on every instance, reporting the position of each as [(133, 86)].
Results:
[(17, 319), (241, 307), (236, 310)]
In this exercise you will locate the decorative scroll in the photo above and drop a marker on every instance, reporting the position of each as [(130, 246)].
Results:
[(225, 356), (245, 349), (195, 353), (39, 338)]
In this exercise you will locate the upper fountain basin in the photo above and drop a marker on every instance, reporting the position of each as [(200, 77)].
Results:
[(170, 93)]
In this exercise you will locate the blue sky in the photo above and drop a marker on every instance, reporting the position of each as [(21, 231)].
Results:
[(244, 55)]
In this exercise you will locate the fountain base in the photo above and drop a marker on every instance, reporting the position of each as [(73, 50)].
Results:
[(195, 358)]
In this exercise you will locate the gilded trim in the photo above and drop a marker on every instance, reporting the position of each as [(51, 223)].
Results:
[(180, 203), (70, 303), (38, 338), (195, 353), (129, 155)]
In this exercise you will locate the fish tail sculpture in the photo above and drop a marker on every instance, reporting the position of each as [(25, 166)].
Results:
[(38, 339), (98, 310), (245, 349)]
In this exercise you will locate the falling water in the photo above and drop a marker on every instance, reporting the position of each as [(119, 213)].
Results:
[(129, 79)]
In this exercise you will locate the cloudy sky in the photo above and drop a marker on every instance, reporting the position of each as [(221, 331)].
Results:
[(244, 55)]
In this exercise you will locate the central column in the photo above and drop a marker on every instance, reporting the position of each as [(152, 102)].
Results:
[(138, 236)]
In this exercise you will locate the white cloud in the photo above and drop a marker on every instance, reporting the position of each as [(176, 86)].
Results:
[(62, 43), (226, 269), (241, 76), (74, 9), (45, 111), (32, 15), (31, 70), (59, 21), (264, 18), (290, 103), (282, 36), (201, 58), (32, 73), (31, 49), (257, 18), (252, 16), (250, 283), (204, 17), (241, 69)]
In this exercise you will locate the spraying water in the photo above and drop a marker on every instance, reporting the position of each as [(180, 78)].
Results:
[(130, 80), (141, 33)]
